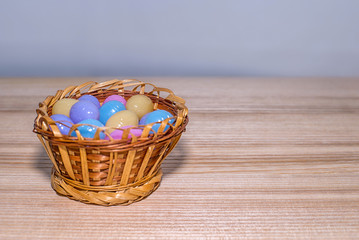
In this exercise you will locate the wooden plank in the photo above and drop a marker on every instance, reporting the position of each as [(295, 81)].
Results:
[(261, 159)]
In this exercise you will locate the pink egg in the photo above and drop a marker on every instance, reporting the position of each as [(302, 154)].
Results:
[(115, 98), (117, 134)]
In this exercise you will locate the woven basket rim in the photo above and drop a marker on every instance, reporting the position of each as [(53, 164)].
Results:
[(43, 121)]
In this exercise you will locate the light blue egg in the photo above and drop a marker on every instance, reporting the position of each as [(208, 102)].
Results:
[(109, 109), (157, 116), (89, 131), (65, 124), (84, 110), (143, 119), (90, 98)]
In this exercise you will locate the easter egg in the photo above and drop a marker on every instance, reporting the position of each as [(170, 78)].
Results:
[(115, 98), (89, 131), (84, 110), (143, 119), (140, 104), (64, 124), (122, 118), (63, 106), (90, 98), (157, 116), (117, 134), (110, 108)]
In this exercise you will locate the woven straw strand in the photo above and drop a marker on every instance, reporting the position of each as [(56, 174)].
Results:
[(109, 197)]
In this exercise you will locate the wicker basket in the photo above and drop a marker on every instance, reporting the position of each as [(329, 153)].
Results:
[(110, 172)]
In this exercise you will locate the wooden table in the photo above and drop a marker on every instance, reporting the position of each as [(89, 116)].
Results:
[(261, 159)]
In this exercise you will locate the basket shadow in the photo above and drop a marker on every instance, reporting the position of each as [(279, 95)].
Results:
[(174, 160), (43, 162)]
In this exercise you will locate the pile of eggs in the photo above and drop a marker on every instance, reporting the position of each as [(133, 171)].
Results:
[(115, 112)]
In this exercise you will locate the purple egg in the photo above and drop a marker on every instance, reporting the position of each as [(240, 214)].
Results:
[(90, 98), (143, 119), (65, 123), (117, 134), (83, 110), (115, 98)]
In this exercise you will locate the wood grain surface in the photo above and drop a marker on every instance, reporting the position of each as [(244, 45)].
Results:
[(261, 159)]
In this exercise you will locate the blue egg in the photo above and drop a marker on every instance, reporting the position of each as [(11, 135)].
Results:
[(89, 131), (109, 109), (157, 116), (83, 110), (90, 98), (143, 119), (65, 124)]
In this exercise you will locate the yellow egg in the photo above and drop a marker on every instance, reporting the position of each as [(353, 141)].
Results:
[(63, 106), (140, 104), (122, 118)]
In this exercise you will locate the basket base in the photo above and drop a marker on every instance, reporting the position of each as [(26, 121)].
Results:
[(108, 195)]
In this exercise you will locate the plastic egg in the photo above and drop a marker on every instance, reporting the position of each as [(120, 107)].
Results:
[(117, 134), (65, 123), (115, 98), (143, 119), (157, 116), (89, 131), (123, 118), (63, 106), (140, 104), (110, 108), (90, 98), (84, 110)]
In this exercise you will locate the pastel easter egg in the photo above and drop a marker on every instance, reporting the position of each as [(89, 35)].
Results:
[(110, 108), (90, 98), (122, 118), (84, 110), (157, 116), (117, 134), (143, 119), (63, 106), (64, 124), (140, 104), (89, 131), (115, 98)]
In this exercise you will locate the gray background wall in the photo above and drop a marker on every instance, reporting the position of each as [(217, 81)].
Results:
[(198, 37)]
